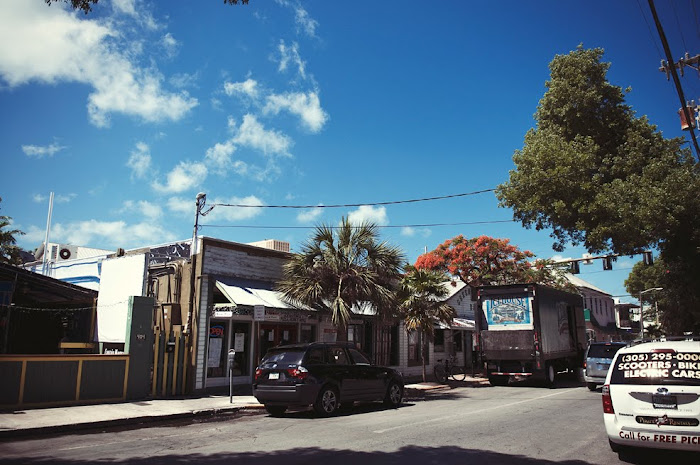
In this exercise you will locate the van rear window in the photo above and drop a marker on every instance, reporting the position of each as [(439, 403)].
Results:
[(604, 350), (657, 368)]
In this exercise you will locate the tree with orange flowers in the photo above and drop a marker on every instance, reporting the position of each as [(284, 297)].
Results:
[(484, 260)]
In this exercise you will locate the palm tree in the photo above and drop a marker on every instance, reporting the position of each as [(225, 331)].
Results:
[(9, 252), (422, 304), (341, 268)]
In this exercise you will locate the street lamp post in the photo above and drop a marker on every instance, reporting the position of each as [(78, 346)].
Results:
[(641, 309)]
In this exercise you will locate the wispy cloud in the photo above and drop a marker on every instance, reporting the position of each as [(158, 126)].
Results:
[(307, 106), (52, 45), (221, 213), (309, 216), (304, 22), (140, 161), (146, 209), (41, 151), (291, 53)]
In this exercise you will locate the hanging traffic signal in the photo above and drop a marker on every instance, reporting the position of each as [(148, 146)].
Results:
[(648, 258), (607, 263), (574, 268)]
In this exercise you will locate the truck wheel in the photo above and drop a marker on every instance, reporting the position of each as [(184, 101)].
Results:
[(498, 380), (549, 375)]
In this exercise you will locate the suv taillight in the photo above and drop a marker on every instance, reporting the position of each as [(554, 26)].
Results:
[(607, 400), (298, 373), (258, 372)]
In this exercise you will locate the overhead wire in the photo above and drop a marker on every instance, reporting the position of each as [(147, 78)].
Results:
[(426, 225), (348, 205)]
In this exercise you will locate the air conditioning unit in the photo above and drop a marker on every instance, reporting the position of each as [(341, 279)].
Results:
[(67, 252)]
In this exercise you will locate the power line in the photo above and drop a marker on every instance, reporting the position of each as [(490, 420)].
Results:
[(347, 205), (676, 80), (427, 225)]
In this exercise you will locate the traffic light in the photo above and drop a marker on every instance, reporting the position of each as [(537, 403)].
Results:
[(648, 258), (574, 268), (607, 263)]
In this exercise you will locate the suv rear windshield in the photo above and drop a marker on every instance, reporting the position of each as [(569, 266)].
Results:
[(657, 368), (284, 356), (604, 350)]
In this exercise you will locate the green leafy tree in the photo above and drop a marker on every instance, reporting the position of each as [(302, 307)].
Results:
[(9, 252), (86, 5), (422, 294), (598, 175), (484, 260), (659, 274), (343, 268)]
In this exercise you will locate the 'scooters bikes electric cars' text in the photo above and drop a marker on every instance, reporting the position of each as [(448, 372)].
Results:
[(323, 375), (651, 396)]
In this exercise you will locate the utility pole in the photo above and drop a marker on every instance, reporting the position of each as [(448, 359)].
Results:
[(674, 74)]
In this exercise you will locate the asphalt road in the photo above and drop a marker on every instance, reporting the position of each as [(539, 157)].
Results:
[(488, 425)]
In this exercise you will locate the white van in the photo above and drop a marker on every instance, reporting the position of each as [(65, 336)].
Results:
[(651, 396)]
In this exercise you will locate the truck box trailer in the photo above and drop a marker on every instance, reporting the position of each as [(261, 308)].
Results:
[(529, 331)]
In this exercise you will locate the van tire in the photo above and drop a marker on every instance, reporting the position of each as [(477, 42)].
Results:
[(592, 386)]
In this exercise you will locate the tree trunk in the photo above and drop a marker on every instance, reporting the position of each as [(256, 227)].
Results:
[(422, 354), (341, 333)]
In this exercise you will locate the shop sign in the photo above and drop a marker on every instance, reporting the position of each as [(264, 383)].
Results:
[(259, 313)]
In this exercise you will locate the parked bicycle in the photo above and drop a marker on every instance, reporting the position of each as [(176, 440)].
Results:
[(447, 368)]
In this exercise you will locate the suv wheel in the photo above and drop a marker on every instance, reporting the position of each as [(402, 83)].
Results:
[(393, 395), (592, 386), (327, 402), (276, 410)]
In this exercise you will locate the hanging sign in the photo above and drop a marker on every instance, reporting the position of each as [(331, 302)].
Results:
[(259, 313)]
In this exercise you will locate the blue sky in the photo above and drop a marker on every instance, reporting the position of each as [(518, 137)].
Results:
[(127, 113)]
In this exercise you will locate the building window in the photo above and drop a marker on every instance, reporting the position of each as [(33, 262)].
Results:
[(439, 340)]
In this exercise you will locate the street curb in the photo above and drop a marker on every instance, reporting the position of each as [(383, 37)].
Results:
[(145, 419)]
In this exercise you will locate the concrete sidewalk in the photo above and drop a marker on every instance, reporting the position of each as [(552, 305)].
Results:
[(62, 419)]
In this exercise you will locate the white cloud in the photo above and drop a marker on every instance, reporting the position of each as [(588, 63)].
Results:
[(183, 80), (182, 205), (305, 23), (170, 44), (409, 231), (306, 106), (184, 176), (309, 216), (220, 155), (139, 161), (64, 198), (253, 134), (249, 88), (235, 213), (53, 45), (129, 8), (368, 213), (142, 207), (291, 53), (105, 234), (58, 198), (41, 151)]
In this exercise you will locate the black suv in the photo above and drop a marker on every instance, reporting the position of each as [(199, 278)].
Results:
[(324, 375)]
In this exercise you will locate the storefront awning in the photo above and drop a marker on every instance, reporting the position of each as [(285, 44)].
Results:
[(459, 323), (250, 293)]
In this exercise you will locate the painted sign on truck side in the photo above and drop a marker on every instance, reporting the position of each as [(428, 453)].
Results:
[(511, 312)]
